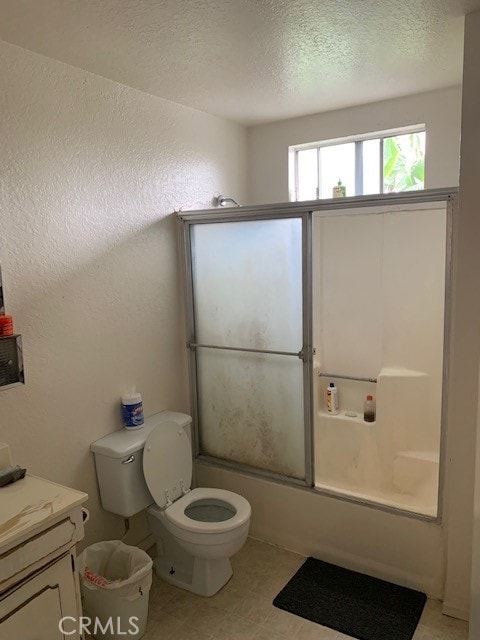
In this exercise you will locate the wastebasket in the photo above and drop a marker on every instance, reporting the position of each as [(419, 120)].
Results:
[(115, 581)]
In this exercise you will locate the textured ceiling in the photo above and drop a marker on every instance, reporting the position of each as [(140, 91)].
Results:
[(252, 60)]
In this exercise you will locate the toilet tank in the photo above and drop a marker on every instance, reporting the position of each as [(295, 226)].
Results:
[(119, 464)]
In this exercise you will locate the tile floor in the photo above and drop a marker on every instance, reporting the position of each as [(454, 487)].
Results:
[(243, 609)]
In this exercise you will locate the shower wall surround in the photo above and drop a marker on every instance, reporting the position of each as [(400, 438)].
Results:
[(379, 293)]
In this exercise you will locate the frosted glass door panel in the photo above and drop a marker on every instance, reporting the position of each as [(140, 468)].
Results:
[(247, 284), (251, 409)]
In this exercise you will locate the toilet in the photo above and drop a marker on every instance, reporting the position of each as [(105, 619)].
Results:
[(196, 530)]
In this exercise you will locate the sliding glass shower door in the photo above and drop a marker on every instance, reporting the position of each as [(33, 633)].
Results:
[(378, 315), (249, 341)]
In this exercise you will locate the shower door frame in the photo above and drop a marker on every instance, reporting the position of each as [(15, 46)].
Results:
[(305, 354), (305, 210)]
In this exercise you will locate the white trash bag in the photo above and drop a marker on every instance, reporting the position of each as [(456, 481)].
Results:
[(115, 581)]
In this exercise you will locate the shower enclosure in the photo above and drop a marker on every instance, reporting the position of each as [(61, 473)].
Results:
[(282, 300)]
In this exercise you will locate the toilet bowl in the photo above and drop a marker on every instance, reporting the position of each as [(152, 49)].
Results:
[(208, 523), (197, 535), (196, 530)]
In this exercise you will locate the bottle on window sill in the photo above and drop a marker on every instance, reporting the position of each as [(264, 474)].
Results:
[(340, 191)]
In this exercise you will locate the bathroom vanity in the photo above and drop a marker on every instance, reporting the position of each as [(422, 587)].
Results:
[(40, 524)]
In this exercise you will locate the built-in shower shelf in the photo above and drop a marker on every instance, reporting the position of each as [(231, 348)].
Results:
[(341, 416)]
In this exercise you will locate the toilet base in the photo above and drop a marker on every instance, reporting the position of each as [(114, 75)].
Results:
[(176, 564), (202, 576)]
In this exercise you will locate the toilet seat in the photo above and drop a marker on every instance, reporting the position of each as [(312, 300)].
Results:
[(167, 468), (175, 513), (167, 463)]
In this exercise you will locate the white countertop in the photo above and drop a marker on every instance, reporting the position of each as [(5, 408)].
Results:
[(31, 502)]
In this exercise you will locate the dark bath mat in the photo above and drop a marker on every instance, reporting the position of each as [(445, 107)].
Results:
[(352, 603)]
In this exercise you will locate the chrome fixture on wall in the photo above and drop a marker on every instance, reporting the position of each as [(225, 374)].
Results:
[(224, 201)]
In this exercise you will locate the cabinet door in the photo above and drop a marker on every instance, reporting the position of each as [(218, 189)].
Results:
[(33, 609)]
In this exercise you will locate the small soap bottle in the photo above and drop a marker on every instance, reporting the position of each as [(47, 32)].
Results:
[(369, 410), (332, 399)]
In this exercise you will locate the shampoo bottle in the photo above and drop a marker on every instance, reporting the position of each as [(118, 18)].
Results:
[(332, 399)]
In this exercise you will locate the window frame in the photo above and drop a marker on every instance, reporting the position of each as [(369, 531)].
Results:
[(358, 140)]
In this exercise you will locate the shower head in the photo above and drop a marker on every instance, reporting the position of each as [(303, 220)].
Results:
[(223, 201)]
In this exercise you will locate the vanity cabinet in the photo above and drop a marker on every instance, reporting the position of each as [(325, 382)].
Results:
[(40, 524), (33, 608)]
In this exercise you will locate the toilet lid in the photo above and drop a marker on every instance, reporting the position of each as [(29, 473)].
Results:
[(167, 462)]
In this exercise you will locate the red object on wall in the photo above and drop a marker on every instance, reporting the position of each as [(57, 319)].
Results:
[(6, 326)]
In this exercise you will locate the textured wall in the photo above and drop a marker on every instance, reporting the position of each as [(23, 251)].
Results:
[(90, 172), (439, 110), (463, 394)]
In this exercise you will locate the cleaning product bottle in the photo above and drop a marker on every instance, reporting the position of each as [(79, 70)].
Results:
[(132, 410), (340, 191), (369, 410), (332, 399)]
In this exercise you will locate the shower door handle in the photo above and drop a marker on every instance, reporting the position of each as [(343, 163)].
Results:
[(299, 354)]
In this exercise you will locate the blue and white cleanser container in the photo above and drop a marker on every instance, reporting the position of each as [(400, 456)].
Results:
[(132, 409)]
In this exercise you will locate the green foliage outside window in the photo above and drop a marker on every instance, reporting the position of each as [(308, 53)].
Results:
[(404, 162)]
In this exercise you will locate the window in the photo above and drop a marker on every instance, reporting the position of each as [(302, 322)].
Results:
[(376, 163)]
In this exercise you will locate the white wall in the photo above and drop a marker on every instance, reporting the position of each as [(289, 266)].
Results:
[(90, 172), (475, 583), (466, 339), (439, 110)]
